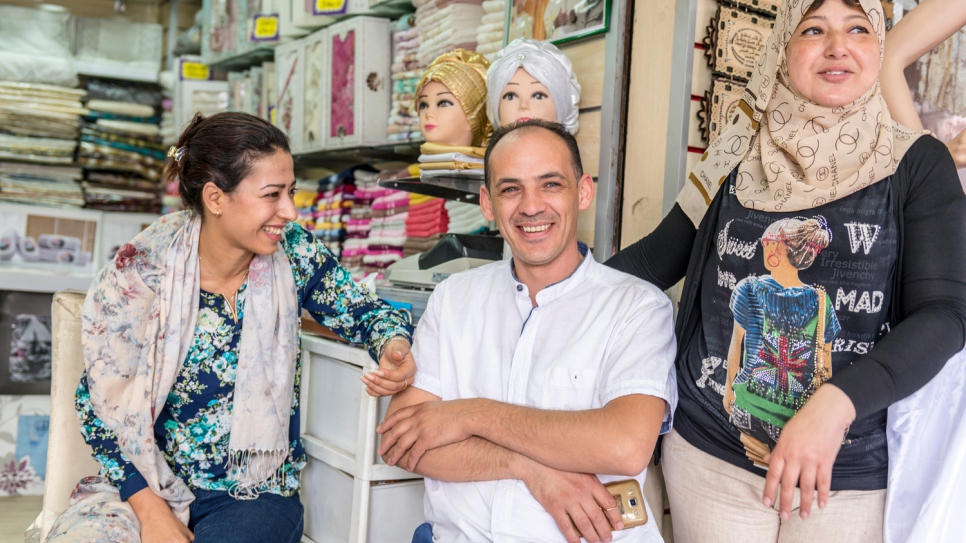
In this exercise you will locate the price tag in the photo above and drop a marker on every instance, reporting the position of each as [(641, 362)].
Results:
[(195, 71), (271, 115), (329, 7), (265, 27)]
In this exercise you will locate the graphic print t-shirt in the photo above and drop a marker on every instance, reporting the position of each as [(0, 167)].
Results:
[(785, 324)]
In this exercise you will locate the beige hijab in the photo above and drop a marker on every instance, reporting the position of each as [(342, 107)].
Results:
[(812, 154)]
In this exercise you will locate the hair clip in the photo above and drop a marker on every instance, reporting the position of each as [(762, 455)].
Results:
[(177, 153)]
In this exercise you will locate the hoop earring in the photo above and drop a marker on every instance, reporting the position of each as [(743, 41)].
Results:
[(216, 213)]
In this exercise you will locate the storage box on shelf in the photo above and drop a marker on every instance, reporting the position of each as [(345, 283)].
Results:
[(118, 48), (340, 419), (360, 84), (340, 507), (196, 92), (316, 54), (290, 91)]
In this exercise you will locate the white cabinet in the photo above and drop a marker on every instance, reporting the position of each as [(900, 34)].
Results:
[(349, 494)]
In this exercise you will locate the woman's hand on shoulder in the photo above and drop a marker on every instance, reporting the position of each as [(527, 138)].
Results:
[(158, 523), (806, 451), (397, 370)]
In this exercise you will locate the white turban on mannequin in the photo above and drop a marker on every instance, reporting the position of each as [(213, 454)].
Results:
[(546, 64)]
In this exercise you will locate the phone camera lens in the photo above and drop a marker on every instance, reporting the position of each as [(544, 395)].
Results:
[(632, 502)]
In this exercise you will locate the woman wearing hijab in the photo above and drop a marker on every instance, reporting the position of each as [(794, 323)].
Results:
[(190, 398), (812, 137)]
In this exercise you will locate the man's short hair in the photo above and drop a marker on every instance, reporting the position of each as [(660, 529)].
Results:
[(529, 126)]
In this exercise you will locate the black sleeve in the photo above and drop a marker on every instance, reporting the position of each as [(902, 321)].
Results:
[(660, 257), (932, 325)]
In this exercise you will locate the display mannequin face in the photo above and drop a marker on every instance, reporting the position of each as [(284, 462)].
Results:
[(526, 98), (441, 116)]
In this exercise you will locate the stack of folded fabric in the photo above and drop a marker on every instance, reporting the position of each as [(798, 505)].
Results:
[(358, 225), (41, 184), (489, 36), (445, 25), (39, 123), (406, 70), (465, 218), (306, 196), (387, 232), (333, 209), (439, 160), (426, 223), (121, 149)]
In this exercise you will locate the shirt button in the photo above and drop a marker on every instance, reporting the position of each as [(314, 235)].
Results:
[(519, 288)]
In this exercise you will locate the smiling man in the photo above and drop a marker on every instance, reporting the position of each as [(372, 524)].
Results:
[(539, 378)]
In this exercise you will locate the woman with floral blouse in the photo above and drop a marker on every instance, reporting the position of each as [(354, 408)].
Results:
[(190, 399)]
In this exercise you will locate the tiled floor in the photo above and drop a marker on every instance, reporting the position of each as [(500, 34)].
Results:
[(16, 514)]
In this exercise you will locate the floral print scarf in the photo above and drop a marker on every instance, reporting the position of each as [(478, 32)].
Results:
[(137, 325)]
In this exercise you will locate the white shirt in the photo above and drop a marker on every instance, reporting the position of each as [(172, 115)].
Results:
[(598, 335)]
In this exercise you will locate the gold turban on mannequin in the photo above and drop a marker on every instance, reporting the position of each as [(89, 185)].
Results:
[(464, 74)]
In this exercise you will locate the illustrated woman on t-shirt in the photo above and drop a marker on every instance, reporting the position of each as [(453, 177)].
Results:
[(781, 347)]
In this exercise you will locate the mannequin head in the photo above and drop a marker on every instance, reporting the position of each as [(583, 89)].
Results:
[(525, 98), (441, 116), (451, 100), (522, 72)]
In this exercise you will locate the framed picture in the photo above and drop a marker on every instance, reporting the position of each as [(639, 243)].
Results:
[(25, 342), (558, 21)]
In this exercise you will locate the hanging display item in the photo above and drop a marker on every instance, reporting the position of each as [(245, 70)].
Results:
[(718, 106), (768, 7), (532, 79), (556, 20), (735, 40)]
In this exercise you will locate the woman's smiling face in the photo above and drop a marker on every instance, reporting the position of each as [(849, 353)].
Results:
[(833, 56)]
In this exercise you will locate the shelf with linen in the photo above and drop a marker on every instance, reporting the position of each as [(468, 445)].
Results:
[(460, 189), (401, 151)]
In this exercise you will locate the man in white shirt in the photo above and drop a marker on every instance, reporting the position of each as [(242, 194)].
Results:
[(549, 366)]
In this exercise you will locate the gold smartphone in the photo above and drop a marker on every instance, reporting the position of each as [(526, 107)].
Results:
[(630, 499)]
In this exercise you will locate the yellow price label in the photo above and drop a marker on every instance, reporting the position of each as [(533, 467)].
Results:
[(266, 27), (272, 116), (330, 7), (195, 70)]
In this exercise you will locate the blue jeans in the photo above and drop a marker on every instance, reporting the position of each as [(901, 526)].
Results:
[(423, 533), (216, 517)]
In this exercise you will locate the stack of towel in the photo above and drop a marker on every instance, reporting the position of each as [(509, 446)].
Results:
[(426, 223), (387, 232), (489, 36), (406, 70), (305, 199), (445, 25), (358, 225), (465, 218), (332, 213), (439, 160)]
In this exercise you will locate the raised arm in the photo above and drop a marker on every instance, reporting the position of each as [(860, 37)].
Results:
[(918, 32)]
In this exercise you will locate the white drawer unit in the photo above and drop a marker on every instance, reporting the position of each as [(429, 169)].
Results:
[(358, 88), (290, 91), (339, 417)]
